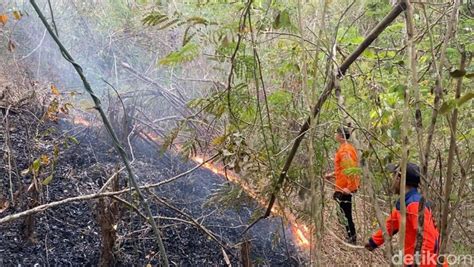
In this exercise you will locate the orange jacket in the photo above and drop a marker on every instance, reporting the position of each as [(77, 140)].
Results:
[(430, 245), (346, 157)]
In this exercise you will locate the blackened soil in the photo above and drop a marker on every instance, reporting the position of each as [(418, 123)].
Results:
[(69, 234)]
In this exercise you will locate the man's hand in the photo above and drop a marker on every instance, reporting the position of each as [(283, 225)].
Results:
[(369, 247), (346, 191)]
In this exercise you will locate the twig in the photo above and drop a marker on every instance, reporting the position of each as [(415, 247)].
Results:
[(342, 241), (112, 177), (234, 55), (52, 18), (36, 48), (189, 217), (130, 205), (94, 195), (9, 152)]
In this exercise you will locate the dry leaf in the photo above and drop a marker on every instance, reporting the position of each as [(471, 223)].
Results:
[(11, 46), (54, 90), (3, 19), (25, 172), (226, 258), (17, 14), (44, 159), (4, 204)]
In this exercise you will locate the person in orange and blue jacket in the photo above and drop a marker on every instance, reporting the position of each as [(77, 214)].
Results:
[(345, 184), (431, 236)]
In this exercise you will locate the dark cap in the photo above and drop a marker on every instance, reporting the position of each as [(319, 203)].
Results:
[(345, 132), (412, 174)]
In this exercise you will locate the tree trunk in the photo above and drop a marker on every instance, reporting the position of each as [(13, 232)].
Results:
[(445, 229)]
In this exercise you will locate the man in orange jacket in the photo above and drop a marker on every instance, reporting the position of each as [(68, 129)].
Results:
[(346, 184), (430, 245)]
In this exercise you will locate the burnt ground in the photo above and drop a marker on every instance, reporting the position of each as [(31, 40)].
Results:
[(69, 234)]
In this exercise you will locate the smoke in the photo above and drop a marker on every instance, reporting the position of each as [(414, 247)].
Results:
[(102, 36)]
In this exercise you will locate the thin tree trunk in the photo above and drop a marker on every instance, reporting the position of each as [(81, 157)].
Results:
[(406, 127), (438, 95), (314, 242), (388, 251), (413, 78), (439, 84), (445, 230)]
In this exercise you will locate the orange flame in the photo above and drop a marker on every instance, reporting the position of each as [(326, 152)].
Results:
[(300, 232), (81, 121)]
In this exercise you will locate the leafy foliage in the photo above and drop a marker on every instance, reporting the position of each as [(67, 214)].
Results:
[(185, 54)]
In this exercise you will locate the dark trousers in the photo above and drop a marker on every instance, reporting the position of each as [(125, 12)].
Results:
[(345, 205)]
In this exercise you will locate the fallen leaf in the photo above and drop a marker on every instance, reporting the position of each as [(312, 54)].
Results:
[(3, 19), (54, 90), (47, 180), (25, 172), (11, 46), (226, 258), (44, 159), (4, 204), (17, 14)]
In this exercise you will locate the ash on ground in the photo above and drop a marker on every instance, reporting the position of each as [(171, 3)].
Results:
[(69, 234)]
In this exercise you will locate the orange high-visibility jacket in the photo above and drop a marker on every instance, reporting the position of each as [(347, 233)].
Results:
[(346, 157), (430, 245)]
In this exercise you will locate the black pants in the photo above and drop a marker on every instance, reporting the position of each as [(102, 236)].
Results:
[(345, 204)]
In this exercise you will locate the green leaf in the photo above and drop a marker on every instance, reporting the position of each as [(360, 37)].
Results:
[(248, 114), (279, 98), (470, 75), (197, 20), (56, 152), (447, 106), (172, 22), (36, 166), (187, 53), (457, 73), (352, 171), (369, 53), (455, 103), (154, 18), (465, 98), (282, 20), (73, 139), (451, 52), (47, 180)]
